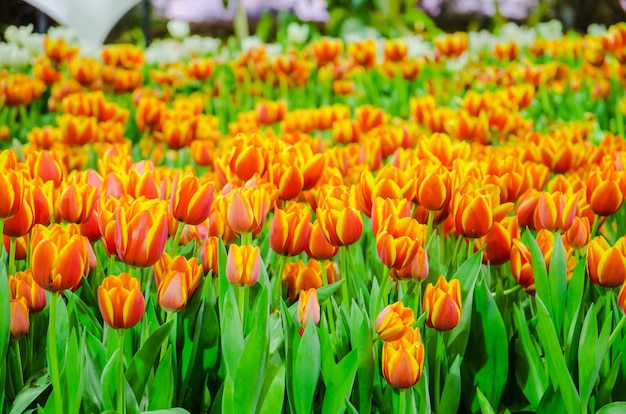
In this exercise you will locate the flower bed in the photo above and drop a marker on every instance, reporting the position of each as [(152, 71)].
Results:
[(399, 225)]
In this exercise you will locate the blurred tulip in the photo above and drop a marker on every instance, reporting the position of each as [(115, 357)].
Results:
[(604, 192), (121, 301), (403, 360), (12, 189), (58, 259), (22, 285), (19, 321), (521, 266), (308, 307), (289, 231), (141, 231), (209, 253), (418, 268), (176, 279), (23, 221), (394, 321), (443, 304), (47, 165), (243, 265)]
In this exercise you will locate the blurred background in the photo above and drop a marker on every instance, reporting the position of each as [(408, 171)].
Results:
[(336, 17)]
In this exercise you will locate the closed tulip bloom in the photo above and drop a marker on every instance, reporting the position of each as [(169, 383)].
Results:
[(77, 202), (288, 179), (525, 208), (46, 165), (473, 215), (21, 245), (177, 279), (308, 307), (248, 157), (58, 258), (289, 231), (604, 193), (209, 253), (498, 241), (521, 266), (339, 218), (443, 304), (248, 209), (11, 188), (418, 268), (141, 231), (318, 247), (578, 235), (606, 263), (121, 301), (433, 192), (398, 241), (394, 321), (191, 199), (403, 360), (555, 211), (243, 265), (382, 208), (19, 320), (23, 285), (23, 221)]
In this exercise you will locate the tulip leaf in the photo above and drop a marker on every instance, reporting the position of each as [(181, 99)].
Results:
[(273, 396), (232, 331), (468, 272), (5, 323), (176, 410), (307, 369), (161, 391), (591, 352), (552, 402), (73, 377), (250, 371), (542, 284), (557, 368), (62, 328), (327, 352), (33, 389), (361, 338), (339, 388), (325, 292), (575, 291), (451, 396), (558, 282), (483, 402), (141, 365), (86, 315), (530, 372), (228, 397), (92, 372), (108, 382), (614, 408), (487, 364)]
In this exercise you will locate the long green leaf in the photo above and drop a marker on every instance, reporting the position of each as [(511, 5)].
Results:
[(591, 352), (451, 396), (161, 391), (558, 282), (542, 284), (5, 321), (340, 386), (232, 332), (307, 367), (33, 389), (614, 408)]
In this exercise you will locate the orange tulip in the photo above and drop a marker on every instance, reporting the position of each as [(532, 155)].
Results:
[(606, 264), (19, 322), (395, 50), (382, 208), (21, 245), (243, 265), (398, 241), (521, 266), (339, 218), (77, 202), (418, 268), (11, 188), (47, 165), (498, 241), (326, 50), (578, 235), (443, 304), (191, 199), (433, 192), (621, 298), (177, 279), (58, 258), (287, 178), (555, 211), (394, 321), (289, 231), (308, 307), (248, 209), (248, 157), (141, 231), (300, 277), (177, 133), (473, 215), (22, 285), (403, 360), (77, 130), (209, 255), (121, 301), (604, 192), (23, 221), (58, 50), (318, 246)]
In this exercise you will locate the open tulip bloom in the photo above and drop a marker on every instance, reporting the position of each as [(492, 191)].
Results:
[(430, 223)]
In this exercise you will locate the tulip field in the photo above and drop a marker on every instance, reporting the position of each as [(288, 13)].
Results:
[(430, 224)]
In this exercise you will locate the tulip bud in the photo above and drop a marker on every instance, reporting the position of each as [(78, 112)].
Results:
[(121, 301), (443, 304), (243, 265), (20, 322), (394, 321), (308, 307), (403, 360), (177, 279)]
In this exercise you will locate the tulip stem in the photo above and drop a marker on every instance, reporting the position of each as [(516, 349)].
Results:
[(120, 371), (457, 247), (343, 263), (2, 232), (278, 287), (510, 290), (111, 264), (176, 241), (402, 407), (12, 244), (429, 226), (242, 292), (616, 331), (166, 342), (18, 356), (53, 363), (470, 248), (596, 227), (438, 357)]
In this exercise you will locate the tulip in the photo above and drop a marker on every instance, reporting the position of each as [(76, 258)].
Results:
[(473, 215), (248, 157), (248, 209), (58, 259), (498, 241), (606, 264), (191, 199), (177, 279), (339, 218), (394, 321), (289, 231), (21, 245), (243, 265), (47, 165), (121, 301), (141, 231), (521, 266), (555, 211), (403, 360), (418, 268), (443, 304), (604, 192), (578, 235), (22, 285), (382, 208), (19, 321), (398, 241), (23, 221), (287, 178), (308, 307), (621, 298), (77, 202), (433, 192), (11, 188)]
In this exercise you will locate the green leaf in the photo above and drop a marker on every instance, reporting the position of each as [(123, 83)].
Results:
[(232, 331), (557, 368), (72, 376), (530, 372), (168, 411), (141, 365), (34, 388), (325, 292), (487, 364), (306, 369), (273, 396), (361, 336), (228, 397), (339, 388), (161, 390), (108, 382), (5, 323), (591, 353), (85, 316), (614, 408), (542, 284), (451, 396), (483, 402), (468, 272), (250, 372), (558, 282)]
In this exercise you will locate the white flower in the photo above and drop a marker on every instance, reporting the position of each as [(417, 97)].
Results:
[(18, 35), (480, 41), (297, 33), (458, 64), (250, 42), (61, 32), (273, 49), (417, 47), (550, 30), (178, 29), (12, 55), (34, 44), (596, 29), (201, 45), (514, 33), (163, 52)]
